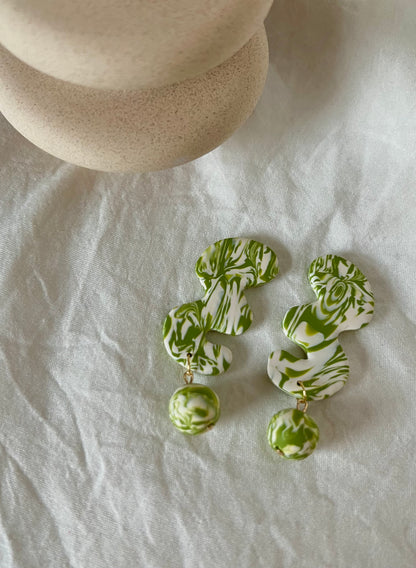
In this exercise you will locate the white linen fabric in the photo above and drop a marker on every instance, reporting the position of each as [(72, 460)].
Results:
[(92, 473)]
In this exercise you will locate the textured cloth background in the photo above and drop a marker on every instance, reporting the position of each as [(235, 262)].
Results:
[(92, 474)]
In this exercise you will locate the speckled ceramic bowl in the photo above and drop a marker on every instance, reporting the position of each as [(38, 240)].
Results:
[(120, 44), (133, 130)]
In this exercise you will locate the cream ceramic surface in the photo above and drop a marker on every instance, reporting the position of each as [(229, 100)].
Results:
[(133, 130), (121, 44)]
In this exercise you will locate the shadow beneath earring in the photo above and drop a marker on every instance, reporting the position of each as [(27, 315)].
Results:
[(355, 420), (244, 398)]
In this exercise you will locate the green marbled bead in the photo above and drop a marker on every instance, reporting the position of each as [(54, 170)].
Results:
[(194, 408), (293, 434)]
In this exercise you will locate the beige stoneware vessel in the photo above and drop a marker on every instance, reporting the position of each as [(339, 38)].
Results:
[(127, 44), (134, 130)]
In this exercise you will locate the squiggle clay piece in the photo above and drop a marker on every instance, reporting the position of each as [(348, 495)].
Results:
[(225, 269), (345, 302)]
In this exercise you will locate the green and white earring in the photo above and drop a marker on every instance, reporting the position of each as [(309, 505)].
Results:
[(345, 301), (225, 270)]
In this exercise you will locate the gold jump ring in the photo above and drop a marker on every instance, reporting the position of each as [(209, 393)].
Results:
[(304, 400), (188, 374)]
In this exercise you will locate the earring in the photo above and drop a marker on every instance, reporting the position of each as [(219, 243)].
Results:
[(225, 270), (345, 302)]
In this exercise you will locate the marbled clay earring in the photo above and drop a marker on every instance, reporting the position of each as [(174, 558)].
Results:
[(225, 270), (345, 302)]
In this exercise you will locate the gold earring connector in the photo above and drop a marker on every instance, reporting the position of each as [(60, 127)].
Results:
[(188, 374), (302, 403)]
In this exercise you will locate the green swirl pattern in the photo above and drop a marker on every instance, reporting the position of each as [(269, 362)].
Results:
[(225, 270), (344, 302), (293, 434), (193, 409)]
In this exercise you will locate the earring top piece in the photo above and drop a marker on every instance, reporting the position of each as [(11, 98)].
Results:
[(225, 270), (344, 302)]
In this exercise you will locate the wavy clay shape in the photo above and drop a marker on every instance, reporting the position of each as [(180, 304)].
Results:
[(225, 270), (345, 302)]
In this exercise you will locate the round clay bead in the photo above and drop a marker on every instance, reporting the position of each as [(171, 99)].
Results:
[(124, 44), (293, 434), (194, 409), (136, 130)]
